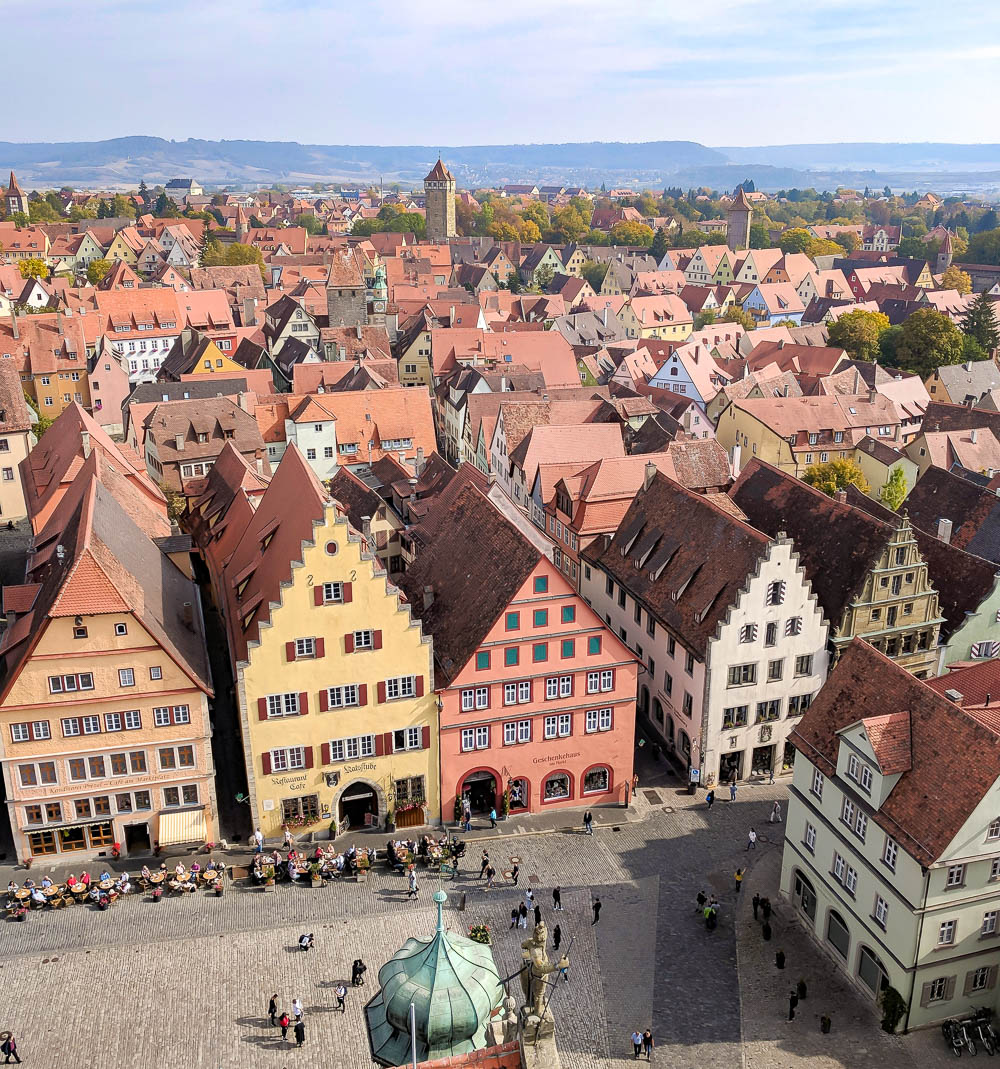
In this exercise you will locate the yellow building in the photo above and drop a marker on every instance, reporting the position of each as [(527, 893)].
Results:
[(664, 317), (104, 724), (334, 679), (125, 246)]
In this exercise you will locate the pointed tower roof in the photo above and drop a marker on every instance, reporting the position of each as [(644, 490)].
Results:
[(946, 243), (453, 984), (13, 187), (439, 173), (740, 202)]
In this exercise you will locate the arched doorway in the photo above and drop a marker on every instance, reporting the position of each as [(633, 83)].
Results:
[(481, 789), (362, 802), (805, 896), (872, 972), (520, 793)]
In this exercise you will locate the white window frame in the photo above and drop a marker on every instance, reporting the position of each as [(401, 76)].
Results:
[(599, 720), (343, 696)]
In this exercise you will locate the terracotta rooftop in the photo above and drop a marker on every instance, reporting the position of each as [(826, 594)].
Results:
[(889, 736)]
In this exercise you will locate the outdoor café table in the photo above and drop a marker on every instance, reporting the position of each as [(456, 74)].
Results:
[(51, 892), (79, 889), (156, 878), (22, 894)]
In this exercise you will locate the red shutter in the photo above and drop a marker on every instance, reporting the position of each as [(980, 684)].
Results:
[(349, 642), (379, 745), (309, 756), (318, 594), (303, 703), (348, 592), (324, 701), (290, 651), (425, 737), (381, 691), (320, 648), (377, 640), (262, 708), (265, 760), (420, 686), (325, 753), (363, 694), (387, 746)]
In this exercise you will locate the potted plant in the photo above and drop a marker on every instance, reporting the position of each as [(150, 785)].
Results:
[(157, 894), (801, 989), (268, 877), (314, 874), (480, 933), (390, 820), (505, 804), (458, 809)]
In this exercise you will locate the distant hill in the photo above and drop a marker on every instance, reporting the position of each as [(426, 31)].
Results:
[(862, 156)]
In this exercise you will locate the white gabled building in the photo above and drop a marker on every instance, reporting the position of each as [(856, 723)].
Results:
[(892, 840), (731, 636)]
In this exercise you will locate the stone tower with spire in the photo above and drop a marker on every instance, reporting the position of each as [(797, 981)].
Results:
[(14, 198), (439, 196), (738, 221), (944, 255)]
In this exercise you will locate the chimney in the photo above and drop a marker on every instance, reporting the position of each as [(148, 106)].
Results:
[(59, 322), (784, 390), (988, 697), (428, 597), (366, 528), (605, 317), (954, 695), (841, 496), (872, 394), (85, 439), (187, 615), (973, 435), (179, 442), (401, 455), (413, 490), (734, 461), (13, 324), (650, 474), (419, 465), (944, 530), (358, 328)]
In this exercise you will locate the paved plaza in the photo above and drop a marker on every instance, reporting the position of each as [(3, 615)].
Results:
[(193, 975)]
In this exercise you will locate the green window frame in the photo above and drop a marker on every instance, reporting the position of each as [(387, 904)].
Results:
[(541, 584), (540, 617), (569, 614), (594, 644), (510, 656), (482, 660), (568, 647), (513, 621), (540, 652)]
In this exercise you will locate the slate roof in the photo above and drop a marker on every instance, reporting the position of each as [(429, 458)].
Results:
[(948, 746), (973, 510), (475, 563), (695, 558)]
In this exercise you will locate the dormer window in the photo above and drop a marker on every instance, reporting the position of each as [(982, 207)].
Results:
[(859, 772)]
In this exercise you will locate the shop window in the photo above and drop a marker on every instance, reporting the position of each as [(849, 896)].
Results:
[(556, 787), (596, 781)]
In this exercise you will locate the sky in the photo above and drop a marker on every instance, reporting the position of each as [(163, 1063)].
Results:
[(459, 72)]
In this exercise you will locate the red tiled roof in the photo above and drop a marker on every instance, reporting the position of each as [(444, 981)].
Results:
[(889, 736)]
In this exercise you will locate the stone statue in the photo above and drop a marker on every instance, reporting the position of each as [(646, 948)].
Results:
[(533, 977), (509, 1019)]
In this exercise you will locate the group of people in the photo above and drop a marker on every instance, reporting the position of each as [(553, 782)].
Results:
[(284, 1020), (295, 866), (709, 909), (642, 1042)]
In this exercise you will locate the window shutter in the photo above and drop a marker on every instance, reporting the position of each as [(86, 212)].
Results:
[(949, 988), (309, 756), (925, 995), (318, 594), (991, 980), (349, 642), (290, 651), (420, 686), (379, 745), (377, 640), (387, 746), (265, 760), (303, 703), (320, 647), (325, 753), (324, 702), (262, 708), (381, 691), (363, 694), (348, 592), (968, 982), (425, 737)]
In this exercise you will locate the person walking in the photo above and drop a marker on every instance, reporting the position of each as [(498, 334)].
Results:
[(765, 908), (793, 1001), (636, 1042), (776, 813), (289, 841), (484, 864), (556, 899), (701, 900), (588, 822), (258, 839), (538, 914), (296, 1009), (411, 879), (597, 912), (522, 916), (341, 992), (300, 1033), (513, 917), (755, 902), (493, 816), (9, 1048), (466, 815), (710, 799), (283, 1020), (556, 938), (647, 1044), (738, 877), (490, 874), (358, 970), (529, 898), (771, 775), (751, 839), (272, 1010), (514, 873)]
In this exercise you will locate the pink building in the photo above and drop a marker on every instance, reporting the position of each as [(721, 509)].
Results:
[(536, 695)]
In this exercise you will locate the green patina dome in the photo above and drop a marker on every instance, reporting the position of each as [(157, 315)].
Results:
[(453, 984)]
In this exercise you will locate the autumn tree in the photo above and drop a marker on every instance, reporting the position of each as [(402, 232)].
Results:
[(735, 314), (629, 233), (96, 270), (893, 490), (33, 267), (835, 475), (847, 240), (528, 231), (954, 278), (796, 239), (929, 340), (858, 333), (980, 323)]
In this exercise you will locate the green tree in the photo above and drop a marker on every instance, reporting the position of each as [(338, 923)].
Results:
[(796, 239), (704, 319), (124, 208), (835, 475), (980, 323), (929, 340), (628, 233), (33, 267), (594, 271), (954, 278), (735, 314), (984, 248), (165, 208), (40, 211), (309, 222), (144, 192), (759, 237), (893, 489), (176, 503), (543, 276), (43, 422), (97, 270), (660, 244), (847, 240), (858, 332)]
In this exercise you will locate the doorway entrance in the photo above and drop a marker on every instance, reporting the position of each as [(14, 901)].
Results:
[(359, 805), (872, 972), (763, 760), (137, 839), (731, 767), (805, 896), (481, 790)]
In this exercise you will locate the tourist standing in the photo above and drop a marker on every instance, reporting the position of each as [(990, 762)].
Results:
[(636, 1042), (258, 839), (300, 1033), (588, 822), (776, 813), (597, 912), (556, 898), (296, 1009), (732, 792), (341, 992), (513, 917), (738, 877), (493, 816), (283, 1020), (272, 1010), (412, 889), (556, 938), (710, 799), (522, 916), (514, 873), (751, 839), (647, 1044)]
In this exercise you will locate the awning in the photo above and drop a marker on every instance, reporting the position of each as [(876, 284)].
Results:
[(185, 826)]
